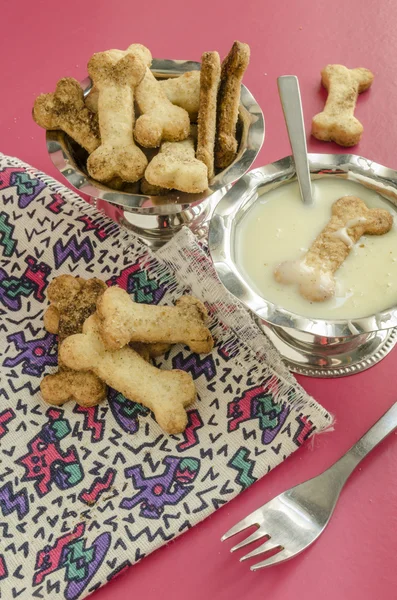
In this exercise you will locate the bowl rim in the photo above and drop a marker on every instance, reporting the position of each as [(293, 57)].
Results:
[(349, 166), (250, 145)]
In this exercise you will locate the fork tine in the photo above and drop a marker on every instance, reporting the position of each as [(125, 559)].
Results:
[(255, 518), (280, 557), (260, 550), (257, 535), (240, 526)]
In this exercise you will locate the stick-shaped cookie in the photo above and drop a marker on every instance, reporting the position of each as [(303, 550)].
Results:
[(118, 156), (233, 68), (65, 110), (123, 321), (314, 273), (209, 85), (73, 300), (161, 120), (166, 393), (337, 122), (176, 167)]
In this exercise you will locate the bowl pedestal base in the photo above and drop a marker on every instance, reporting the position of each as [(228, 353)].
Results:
[(157, 230), (317, 356)]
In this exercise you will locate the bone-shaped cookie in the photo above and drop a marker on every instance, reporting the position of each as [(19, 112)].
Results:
[(183, 91), (73, 300), (160, 119), (118, 156), (76, 299), (137, 50), (337, 122), (86, 389), (166, 393), (147, 351), (65, 110), (314, 273), (123, 321), (176, 167)]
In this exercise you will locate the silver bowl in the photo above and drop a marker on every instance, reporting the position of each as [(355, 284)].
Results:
[(314, 347), (157, 218)]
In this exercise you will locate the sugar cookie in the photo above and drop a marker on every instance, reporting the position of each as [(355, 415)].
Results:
[(123, 321), (314, 273), (209, 85), (337, 122), (160, 119), (166, 393), (73, 300), (65, 110), (176, 167), (118, 156), (233, 68)]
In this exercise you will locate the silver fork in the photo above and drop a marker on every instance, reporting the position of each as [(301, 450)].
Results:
[(292, 521)]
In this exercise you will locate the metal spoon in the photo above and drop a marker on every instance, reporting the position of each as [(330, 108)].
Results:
[(288, 89)]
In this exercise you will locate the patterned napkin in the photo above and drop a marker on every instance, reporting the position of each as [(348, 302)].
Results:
[(86, 492)]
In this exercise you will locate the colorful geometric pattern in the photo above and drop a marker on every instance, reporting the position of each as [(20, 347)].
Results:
[(86, 492)]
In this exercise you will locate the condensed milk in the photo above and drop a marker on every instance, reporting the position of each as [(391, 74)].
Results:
[(278, 227)]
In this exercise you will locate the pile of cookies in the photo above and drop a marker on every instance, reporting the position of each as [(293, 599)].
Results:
[(128, 113), (104, 338)]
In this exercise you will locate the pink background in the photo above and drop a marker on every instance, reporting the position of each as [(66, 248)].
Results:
[(42, 41)]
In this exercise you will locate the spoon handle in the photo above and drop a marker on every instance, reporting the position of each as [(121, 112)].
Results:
[(288, 89)]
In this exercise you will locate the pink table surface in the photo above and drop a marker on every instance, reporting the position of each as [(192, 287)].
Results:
[(42, 41)]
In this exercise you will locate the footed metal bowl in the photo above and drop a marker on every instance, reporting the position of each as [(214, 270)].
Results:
[(157, 218), (314, 347)]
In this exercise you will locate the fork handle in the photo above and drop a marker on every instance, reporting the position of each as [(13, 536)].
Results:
[(382, 428)]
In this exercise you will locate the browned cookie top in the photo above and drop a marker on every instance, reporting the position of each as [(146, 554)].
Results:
[(75, 300)]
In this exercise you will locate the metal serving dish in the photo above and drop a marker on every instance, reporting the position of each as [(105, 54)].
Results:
[(314, 347), (157, 218)]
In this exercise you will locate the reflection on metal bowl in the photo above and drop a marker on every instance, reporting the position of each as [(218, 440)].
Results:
[(313, 347), (157, 218)]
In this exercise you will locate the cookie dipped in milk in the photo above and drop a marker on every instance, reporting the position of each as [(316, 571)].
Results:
[(336, 259)]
